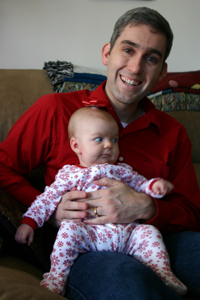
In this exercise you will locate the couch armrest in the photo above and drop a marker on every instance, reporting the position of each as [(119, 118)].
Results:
[(11, 212), (16, 284)]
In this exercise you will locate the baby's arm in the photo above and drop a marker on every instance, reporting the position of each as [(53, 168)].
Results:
[(162, 187), (24, 234)]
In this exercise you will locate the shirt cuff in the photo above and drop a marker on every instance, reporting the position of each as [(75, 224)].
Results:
[(30, 222)]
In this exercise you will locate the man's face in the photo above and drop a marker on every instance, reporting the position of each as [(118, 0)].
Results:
[(134, 64)]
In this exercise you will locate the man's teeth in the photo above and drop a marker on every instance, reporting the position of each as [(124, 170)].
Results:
[(130, 82)]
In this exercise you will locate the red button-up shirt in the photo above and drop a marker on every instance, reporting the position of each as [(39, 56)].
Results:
[(155, 145)]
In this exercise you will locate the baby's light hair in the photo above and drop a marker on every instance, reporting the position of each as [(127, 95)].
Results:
[(83, 114)]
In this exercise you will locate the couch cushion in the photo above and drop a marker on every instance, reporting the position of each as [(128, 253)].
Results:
[(197, 171), (191, 121), (19, 89)]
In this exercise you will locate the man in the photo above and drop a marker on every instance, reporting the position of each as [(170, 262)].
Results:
[(150, 141)]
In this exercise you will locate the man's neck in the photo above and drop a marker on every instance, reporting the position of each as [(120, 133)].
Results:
[(126, 112), (129, 113)]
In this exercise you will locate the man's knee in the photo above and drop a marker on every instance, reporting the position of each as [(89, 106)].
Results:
[(183, 249), (107, 275)]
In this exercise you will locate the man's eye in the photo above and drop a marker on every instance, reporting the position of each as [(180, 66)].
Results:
[(99, 139), (152, 59), (128, 50)]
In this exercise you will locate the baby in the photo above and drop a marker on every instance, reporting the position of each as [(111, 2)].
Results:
[(93, 135)]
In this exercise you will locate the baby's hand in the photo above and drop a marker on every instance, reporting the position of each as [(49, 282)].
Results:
[(24, 234), (162, 187)]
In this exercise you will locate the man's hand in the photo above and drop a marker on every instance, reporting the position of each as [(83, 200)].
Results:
[(118, 204), (115, 204), (70, 208)]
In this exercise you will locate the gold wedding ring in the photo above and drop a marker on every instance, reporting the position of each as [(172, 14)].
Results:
[(95, 212)]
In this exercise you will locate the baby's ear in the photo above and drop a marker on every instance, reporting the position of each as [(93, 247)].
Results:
[(75, 145)]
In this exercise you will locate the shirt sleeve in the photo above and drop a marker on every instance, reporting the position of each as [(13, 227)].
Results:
[(26, 147), (180, 210)]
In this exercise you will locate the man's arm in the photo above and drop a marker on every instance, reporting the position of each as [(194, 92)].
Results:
[(25, 148), (180, 210)]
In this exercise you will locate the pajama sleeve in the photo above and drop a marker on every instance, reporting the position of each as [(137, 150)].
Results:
[(138, 182), (45, 204)]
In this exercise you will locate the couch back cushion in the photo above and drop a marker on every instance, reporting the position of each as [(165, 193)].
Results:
[(19, 89)]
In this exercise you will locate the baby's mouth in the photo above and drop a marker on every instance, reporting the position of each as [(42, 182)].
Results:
[(106, 154), (130, 82)]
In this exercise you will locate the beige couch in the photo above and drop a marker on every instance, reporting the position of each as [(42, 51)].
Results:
[(19, 279), (19, 89)]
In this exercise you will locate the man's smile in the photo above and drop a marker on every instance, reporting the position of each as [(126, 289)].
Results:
[(129, 81)]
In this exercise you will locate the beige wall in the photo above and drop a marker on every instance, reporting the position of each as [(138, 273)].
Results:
[(32, 32)]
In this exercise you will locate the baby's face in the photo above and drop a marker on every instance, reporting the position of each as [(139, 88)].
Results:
[(98, 142)]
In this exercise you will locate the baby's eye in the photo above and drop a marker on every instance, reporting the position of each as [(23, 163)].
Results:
[(98, 139), (114, 140)]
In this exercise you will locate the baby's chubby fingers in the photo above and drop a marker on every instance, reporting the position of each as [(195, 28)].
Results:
[(24, 234)]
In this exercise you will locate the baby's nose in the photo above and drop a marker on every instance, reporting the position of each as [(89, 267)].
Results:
[(107, 144)]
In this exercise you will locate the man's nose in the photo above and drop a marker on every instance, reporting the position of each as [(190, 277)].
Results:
[(135, 65)]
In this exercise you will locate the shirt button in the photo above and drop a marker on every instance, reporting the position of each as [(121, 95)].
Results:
[(120, 158)]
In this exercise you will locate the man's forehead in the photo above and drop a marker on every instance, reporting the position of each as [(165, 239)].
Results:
[(131, 35), (140, 27)]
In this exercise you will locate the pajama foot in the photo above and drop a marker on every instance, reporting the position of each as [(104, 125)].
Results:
[(55, 283), (175, 284)]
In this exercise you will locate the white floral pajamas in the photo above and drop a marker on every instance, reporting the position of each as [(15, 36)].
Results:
[(143, 242)]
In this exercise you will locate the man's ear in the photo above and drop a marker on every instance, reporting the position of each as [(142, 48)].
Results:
[(75, 145), (105, 53), (163, 72)]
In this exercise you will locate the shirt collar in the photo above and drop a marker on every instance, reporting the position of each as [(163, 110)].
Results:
[(99, 98)]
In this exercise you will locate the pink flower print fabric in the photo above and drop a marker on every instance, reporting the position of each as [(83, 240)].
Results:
[(143, 242), (82, 178)]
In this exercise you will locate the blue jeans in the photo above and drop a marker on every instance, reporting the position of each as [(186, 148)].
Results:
[(106, 275)]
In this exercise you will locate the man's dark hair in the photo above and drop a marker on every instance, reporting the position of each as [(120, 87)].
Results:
[(147, 16)]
